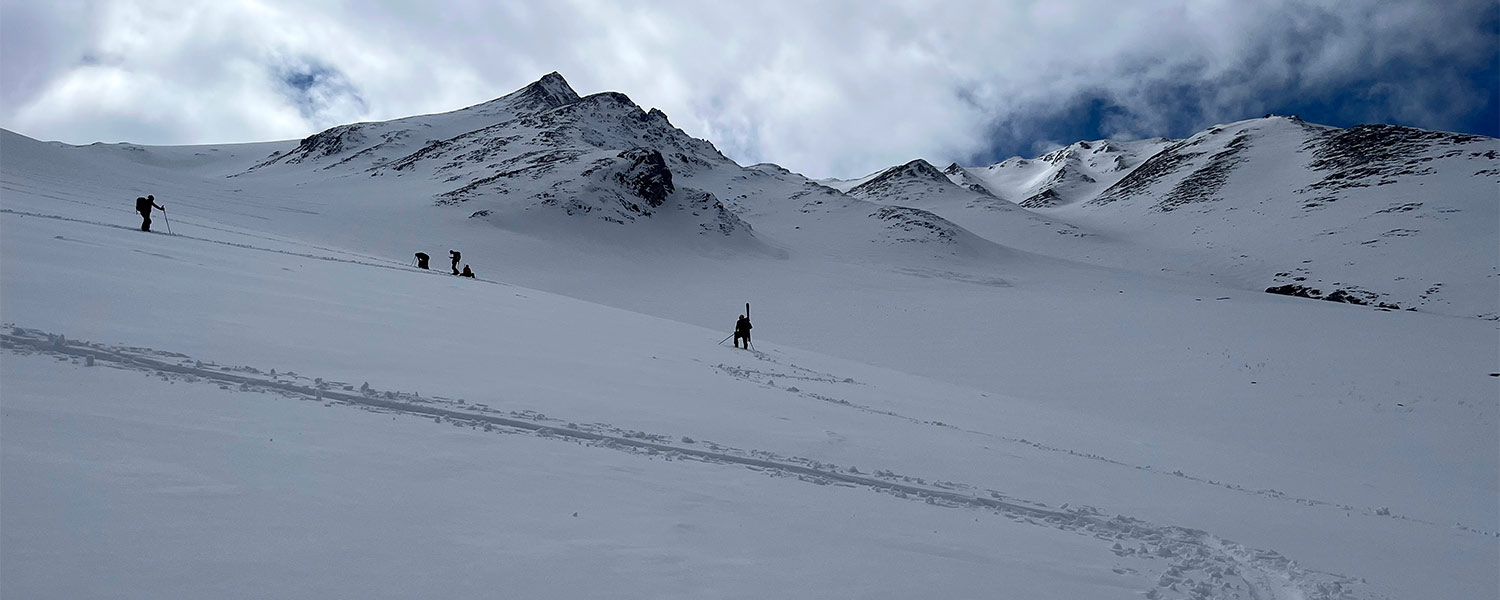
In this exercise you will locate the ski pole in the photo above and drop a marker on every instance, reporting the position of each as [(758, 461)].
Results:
[(721, 342), (166, 221)]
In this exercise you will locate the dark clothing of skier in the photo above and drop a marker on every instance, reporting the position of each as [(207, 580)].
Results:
[(454, 254), (422, 260), (741, 330), (467, 272), (143, 206)]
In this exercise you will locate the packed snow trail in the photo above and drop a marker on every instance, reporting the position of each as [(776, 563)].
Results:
[(1197, 562)]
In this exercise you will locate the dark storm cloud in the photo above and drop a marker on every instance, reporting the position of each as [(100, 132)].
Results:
[(828, 88)]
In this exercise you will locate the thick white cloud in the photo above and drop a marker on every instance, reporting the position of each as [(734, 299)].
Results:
[(827, 88)]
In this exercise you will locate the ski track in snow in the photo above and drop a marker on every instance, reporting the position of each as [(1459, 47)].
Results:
[(393, 265), (43, 193), (793, 372), (1191, 562)]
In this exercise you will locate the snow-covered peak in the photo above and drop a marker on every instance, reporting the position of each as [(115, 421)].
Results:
[(551, 91), (1067, 175), (964, 179), (916, 170)]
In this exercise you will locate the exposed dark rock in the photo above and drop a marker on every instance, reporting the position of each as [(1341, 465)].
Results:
[(1358, 297), (723, 222), (1292, 289), (1060, 155), (1164, 163), (1354, 157), (1042, 199), (1065, 175), (1343, 296), (647, 176), (551, 91), (1204, 183), (962, 178), (326, 143), (533, 165), (918, 221), (1407, 207), (918, 169)]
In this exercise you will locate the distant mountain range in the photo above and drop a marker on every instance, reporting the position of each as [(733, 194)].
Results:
[(1376, 214)]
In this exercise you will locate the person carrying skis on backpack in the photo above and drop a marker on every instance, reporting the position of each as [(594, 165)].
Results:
[(455, 255), (741, 330), (143, 206)]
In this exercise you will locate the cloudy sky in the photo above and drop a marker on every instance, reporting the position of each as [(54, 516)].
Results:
[(824, 87)]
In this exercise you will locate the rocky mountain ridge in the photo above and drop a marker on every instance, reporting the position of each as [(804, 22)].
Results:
[(1279, 203), (1387, 215)]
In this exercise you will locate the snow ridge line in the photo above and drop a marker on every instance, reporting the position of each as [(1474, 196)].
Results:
[(394, 266), (1198, 563)]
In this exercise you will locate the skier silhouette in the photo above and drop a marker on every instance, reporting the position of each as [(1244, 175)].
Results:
[(741, 330), (455, 255), (467, 272), (143, 206), (422, 260)]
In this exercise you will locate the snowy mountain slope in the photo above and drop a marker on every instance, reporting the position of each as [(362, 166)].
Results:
[(1387, 214), (520, 161), (1297, 427), (962, 178), (291, 398), (919, 185), (1376, 215), (540, 146), (1071, 174)]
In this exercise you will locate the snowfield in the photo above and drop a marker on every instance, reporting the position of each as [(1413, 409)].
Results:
[(951, 394)]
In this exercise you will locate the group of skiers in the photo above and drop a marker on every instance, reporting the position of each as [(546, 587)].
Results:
[(144, 206), (422, 259)]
